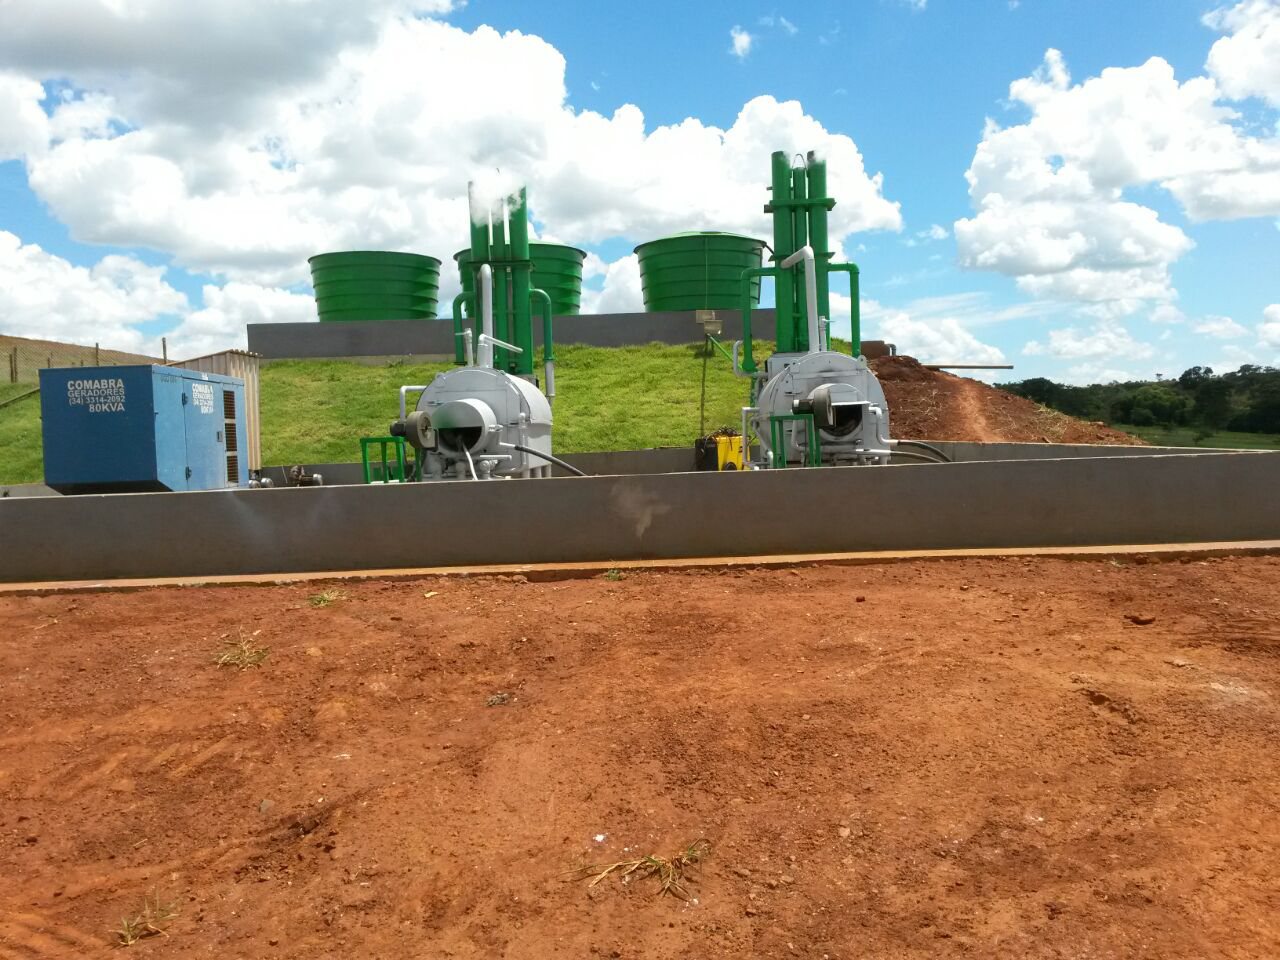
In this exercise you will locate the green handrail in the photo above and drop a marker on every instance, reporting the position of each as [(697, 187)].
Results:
[(720, 346), (748, 360), (855, 313)]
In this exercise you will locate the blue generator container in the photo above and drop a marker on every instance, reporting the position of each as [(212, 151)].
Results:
[(142, 428)]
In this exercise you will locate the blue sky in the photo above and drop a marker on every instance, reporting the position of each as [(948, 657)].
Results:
[(1185, 242)]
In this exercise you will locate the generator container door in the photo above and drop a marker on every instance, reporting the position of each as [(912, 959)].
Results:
[(206, 453)]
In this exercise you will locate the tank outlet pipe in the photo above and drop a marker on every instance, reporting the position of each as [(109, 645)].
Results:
[(805, 253), (403, 393), (468, 346), (484, 279), (855, 312), (543, 456), (548, 345), (748, 361)]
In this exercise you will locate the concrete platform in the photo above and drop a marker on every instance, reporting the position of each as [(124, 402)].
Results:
[(1076, 501), (1146, 553)]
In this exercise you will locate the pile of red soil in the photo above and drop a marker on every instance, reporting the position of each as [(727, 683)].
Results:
[(931, 405)]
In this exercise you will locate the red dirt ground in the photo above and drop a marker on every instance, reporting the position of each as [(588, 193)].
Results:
[(929, 404), (978, 758)]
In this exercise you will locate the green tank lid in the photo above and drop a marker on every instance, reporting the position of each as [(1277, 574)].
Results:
[(700, 270), (375, 285), (557, 269)]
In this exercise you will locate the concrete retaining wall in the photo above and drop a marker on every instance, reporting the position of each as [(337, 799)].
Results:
[(627, 463), (389, 338), (1174, 499)]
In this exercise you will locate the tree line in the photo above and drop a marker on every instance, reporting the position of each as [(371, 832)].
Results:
[(1247, 400)]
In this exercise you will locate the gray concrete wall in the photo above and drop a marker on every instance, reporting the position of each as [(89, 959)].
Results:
[(398, 338), (1116, 500)]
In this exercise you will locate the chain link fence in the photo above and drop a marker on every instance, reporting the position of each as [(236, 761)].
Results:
[(21, 359)]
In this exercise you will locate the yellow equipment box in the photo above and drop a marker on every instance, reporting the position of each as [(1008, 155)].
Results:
[(718, 452)]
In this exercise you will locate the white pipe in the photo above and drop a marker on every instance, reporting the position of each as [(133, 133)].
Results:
[(469, 346), (494, 341), (810, 293), (486, 316), (404, 390), (549, 378)]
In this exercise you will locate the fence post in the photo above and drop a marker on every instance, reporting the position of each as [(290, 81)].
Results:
[(164, 349), (97, 362), (13, 366)]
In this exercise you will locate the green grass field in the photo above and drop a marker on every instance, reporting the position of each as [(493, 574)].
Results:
[(21, 453), (1186, 437), (10, 390), (315, 411)]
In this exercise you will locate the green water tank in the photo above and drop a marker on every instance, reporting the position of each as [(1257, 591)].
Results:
[(698, 271), (374, 285), (557, 269)]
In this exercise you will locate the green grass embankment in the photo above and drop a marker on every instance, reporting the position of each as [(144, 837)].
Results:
[(315, 411)]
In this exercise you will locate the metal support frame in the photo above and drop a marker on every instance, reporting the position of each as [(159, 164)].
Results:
[(385, 471), (778, 438)]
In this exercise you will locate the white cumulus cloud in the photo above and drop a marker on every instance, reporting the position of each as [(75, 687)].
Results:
[(1269, 329), (621, 292), (220, 323), (1049, 194), (375, 153), (740, 42), (46, 297), (1247, 62), (1223, 328), (933, 331), (240, 138), (1108, 339)]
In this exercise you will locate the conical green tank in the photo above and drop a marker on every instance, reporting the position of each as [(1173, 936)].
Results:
[(698, 271), (557, 269), (375, 285)]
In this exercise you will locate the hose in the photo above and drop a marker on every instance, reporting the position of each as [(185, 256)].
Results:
[(915, 456), (926, 446), (549, 458)]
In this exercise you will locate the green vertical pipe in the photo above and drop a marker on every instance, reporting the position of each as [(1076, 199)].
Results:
[(800, 222), (521, 284), (748, 357), (783, 247), (499, 251), (855, 308), (818, 239)]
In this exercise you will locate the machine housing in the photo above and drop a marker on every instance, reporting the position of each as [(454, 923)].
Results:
[(850, 418), (132, 429)]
